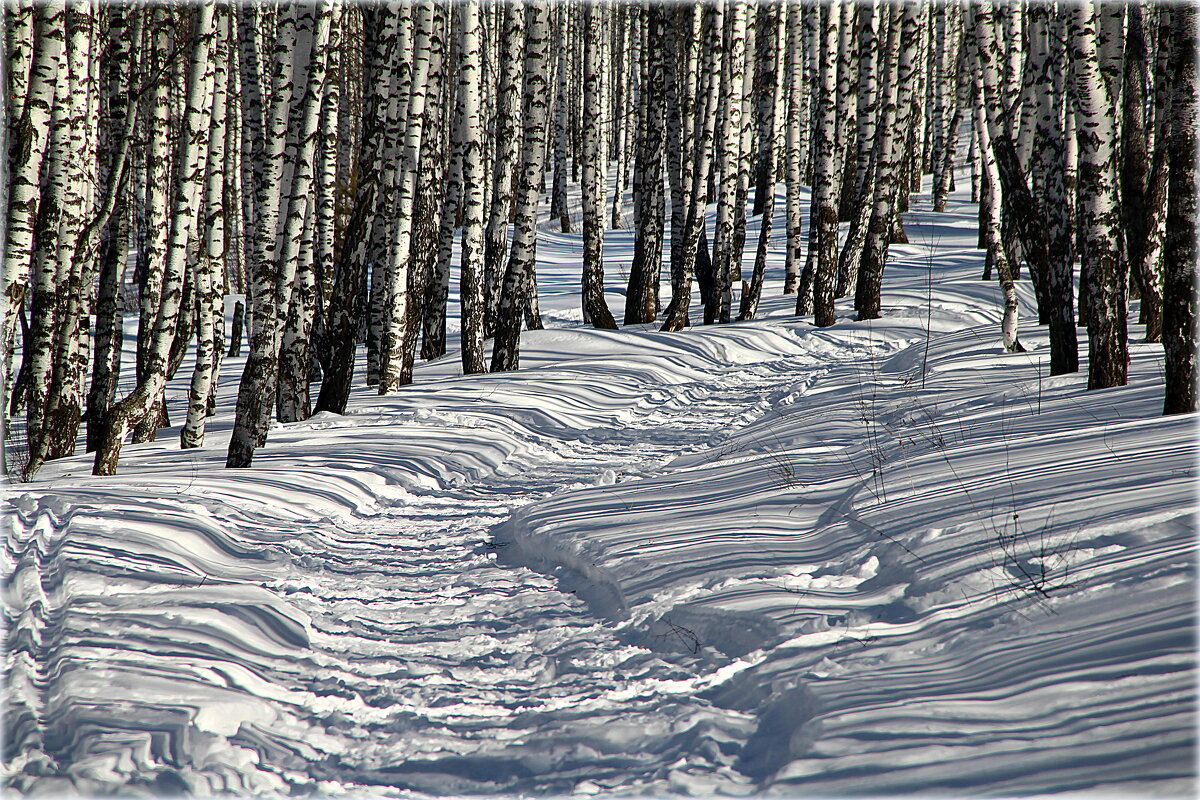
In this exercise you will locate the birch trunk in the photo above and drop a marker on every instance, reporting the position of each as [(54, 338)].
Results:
[(392, 365), (27, 150), (1179, 309), (595, 158), (507, 135), (641, 299), (190, 156), (1102, 261), (825, 176), (469, 135), (273, 290), (209, 296), (705, 127), (518, 275), (795, 156)]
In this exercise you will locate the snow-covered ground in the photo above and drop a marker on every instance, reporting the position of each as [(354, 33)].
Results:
[(880, 558)]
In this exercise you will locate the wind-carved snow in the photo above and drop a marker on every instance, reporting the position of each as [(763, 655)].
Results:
[(750, 558)]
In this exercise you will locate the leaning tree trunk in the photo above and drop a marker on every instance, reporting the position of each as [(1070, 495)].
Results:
[(774, 33), (988, 99), (869, 25), (705, 127), (902, 33), (347, 304), (190, 160)]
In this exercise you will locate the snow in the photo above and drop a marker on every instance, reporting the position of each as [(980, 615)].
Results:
[(759, 558)]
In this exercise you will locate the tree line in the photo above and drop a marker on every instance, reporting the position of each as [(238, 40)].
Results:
[(320, 158)]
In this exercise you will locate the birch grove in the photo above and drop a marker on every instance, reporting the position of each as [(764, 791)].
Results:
[(339, 172)]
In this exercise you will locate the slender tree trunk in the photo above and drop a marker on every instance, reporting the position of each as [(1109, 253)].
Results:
[(705, 126), (210, 300), (273, 290), (641, 299), (518, 275), (27, 149), (594, 161), (1179, 289), (393, 366), (470, 135), (1095, 114), (795, 154), (825, 176), (506, 134), (729, 159), (190, 160)]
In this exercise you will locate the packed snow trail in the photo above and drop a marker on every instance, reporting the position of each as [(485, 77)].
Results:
[(268, 630)]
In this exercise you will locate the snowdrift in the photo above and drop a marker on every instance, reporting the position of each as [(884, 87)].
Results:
[(879, 558)]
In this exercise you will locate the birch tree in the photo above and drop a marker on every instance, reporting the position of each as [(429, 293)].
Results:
[(280, 261), (191, 150), (1108, 351), (595, 158), (1179, 310), (705, 127), (206, 270), (392, 363), (469, 145), (518, 274), (506, 134)]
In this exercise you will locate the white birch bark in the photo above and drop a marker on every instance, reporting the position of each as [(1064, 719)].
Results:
[(210, 299), (989, 98), (1097, 139), (391, 368), (729, 159), (273, 288), (469, 135), (795, 152), (190, 156), (522, 257), (506, 135), (824, 214), (595, 308), (27, 153), (705, 130)]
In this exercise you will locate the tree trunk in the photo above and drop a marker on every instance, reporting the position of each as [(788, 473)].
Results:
[(507, 135), (1179, 289), (1102, 261), (190, 157), (469, 132), (595, 158), (518, 275)]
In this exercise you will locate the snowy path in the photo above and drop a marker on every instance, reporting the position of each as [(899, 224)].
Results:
[(346, 625), (479, 672)]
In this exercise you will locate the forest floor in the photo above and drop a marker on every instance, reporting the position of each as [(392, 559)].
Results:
[(758, 558)]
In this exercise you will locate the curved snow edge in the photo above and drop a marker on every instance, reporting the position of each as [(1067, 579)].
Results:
[(517, 546)]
